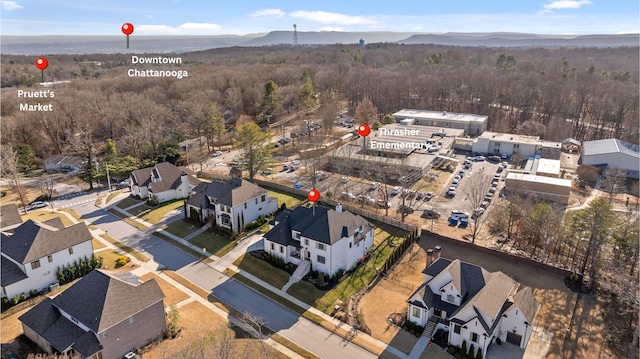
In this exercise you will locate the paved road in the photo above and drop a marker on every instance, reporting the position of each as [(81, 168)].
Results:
[(279, 318)]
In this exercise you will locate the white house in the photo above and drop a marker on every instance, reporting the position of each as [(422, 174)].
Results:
[(329, 240), (612, 153), (31, 255), (472, 304), (230, 205), (164, 181)]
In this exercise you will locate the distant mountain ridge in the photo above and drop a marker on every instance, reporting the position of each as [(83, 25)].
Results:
[(42, 45)]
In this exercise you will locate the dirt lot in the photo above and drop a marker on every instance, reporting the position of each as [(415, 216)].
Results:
[(557, 302)]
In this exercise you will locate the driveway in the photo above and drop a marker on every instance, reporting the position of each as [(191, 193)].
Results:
[(505, 351)]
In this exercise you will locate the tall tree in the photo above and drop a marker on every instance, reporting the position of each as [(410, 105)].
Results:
[(366, 112), (307, 94), (255, 147), (9, 169), (110, 151), (270, 102), (215, 125), (476, 190)]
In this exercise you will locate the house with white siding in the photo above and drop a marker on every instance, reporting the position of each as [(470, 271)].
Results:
[(31, 255), (329, 240), (163, 181), (231, 205), (472, 304)]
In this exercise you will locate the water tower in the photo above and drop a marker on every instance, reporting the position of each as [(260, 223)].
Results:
[(295, 35)]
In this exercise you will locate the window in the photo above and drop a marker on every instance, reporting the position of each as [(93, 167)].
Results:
[(450, 298), (263, 198), (497, 144), (474, 337), (296, 235), (306, 242), (320, 246), (281, 249), (70, 250), (50, 258), (516, 145), (35, 264), (350, 244), (456, 328), (245, 205), (321, 259), (416, 312), (272, 246), (256, 201)]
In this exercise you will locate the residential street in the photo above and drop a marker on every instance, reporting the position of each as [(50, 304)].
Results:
[(233, 293)]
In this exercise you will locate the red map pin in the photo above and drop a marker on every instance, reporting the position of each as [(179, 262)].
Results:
[(313, 195), (364, 130), (127, 29), (41, 64)]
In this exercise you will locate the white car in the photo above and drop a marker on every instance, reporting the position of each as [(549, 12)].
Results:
[(396, 190), (217, 153), (374, 185), (39, 204), (345, 179), (459, 214)]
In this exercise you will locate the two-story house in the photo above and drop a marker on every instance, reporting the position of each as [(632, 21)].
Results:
[(472, 304), (230, 205), (31, 255), (99, 317), (328, 239), (164, 181)]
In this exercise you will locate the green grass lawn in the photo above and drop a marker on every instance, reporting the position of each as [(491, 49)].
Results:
[(109, 257), (214, 243), (263, 270), (113, 194), (291, 201), (182, 228), (383, 245), (97, 244), (128, 202), (155, 215)]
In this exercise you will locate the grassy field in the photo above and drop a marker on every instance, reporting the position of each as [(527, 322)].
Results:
[(181, 228), (155, 215), (113, 194), (384, 243), (128, 202), (43, 215), (214, 243), (291, 201), (263, 270), (97, 244)]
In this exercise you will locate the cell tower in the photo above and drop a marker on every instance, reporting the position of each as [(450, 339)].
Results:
[(295, 35)]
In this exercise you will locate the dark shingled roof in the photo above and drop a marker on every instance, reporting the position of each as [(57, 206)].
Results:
[(326, 225), (100, 301), (9, 215), (233, 193), (10, 272), (87, 344), (34, 240), (169, 174)]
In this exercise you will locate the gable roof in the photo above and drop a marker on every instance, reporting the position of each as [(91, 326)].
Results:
[(10, 272), (610, 145), (9, 215), (169, 174), (232, 193), (100, 300), (325, 226), (34, 240), (526, 301)]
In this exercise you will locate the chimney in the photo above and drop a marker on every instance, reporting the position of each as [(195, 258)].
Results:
[(429, 256), (437, 254), (339, 208)]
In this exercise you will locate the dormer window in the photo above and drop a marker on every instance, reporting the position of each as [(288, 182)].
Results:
[(295, 235), (451, 298)]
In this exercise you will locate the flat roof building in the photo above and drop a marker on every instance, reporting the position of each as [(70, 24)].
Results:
[(612, 152), (549, 188), (495, 143), (472, 124)]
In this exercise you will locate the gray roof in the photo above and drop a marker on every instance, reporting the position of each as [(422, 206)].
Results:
[(10, 272), (326, 225), (9, 215), (34, 240), (169, 174), (610, 145), (526, 301), (99, 300), (232, 193)]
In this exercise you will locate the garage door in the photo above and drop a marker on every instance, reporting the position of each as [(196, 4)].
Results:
[(514, 338)]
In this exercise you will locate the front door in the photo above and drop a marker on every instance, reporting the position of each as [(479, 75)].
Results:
[(307, 255), (514, 338), (437, 313)]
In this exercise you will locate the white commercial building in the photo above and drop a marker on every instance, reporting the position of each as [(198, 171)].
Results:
[(612, 153), (494, 143), (472, 124)]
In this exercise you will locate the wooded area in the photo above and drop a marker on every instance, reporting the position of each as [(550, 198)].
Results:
[(586, 93)]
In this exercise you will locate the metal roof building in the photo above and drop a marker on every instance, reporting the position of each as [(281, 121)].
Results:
[(612, 152)]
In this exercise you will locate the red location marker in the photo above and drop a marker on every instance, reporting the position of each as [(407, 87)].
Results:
[(364, 130), (127, 29), (42, 63), (313, 195)]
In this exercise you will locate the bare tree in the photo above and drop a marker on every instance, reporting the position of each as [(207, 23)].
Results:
[(613, 181), (477, 187), (10, 170), (256, 327)]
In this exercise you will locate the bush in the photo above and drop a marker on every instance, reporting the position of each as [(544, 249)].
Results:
[(471, 352), (451, 350), (479, 354), (121, 261), (457, 355), (33, 293), (321, 281)]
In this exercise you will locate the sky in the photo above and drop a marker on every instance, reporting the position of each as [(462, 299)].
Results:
[(240, 17)]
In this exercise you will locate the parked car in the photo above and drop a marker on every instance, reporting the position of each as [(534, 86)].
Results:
[(478, 212), (430, 214), (396, 190), (420, 195), (479, 158), (428, 196), (374, 186), (451, 192), (345, 179), (500, 169), (383, 204), (298, 185), (494, 159), (217, 153), (38, 204)]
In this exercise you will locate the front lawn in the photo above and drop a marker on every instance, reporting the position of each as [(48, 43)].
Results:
[(263, 270), (156, 215), (128, 202), (291, 201), (182, 228), (213, 243)]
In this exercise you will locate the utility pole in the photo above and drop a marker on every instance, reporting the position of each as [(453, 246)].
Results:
[(106, 165)]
